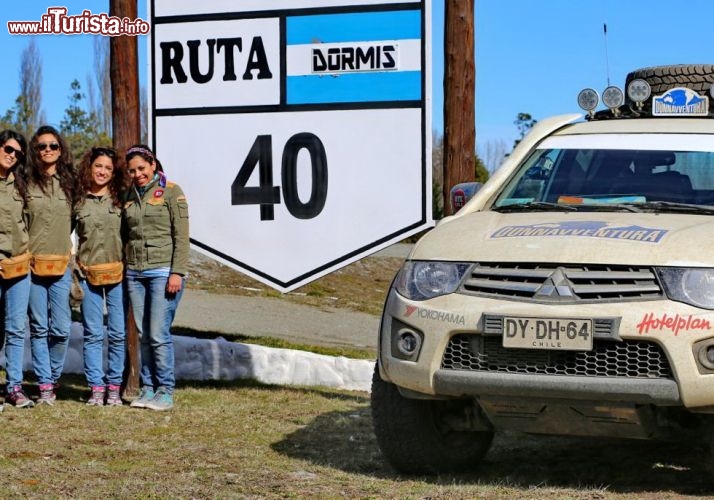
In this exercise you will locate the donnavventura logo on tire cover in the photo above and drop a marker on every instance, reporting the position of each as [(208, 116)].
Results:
[(680, 102), (589, 229)]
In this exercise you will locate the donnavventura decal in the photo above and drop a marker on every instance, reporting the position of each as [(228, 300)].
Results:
[(680, 102), (590, 229)]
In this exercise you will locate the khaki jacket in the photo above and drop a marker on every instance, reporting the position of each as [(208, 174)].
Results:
[(156, 227), (13, 232), (98, 226), (49, 220)]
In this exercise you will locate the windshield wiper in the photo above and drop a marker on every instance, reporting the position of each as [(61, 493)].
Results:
[(536, 205), (610, 207), (671, 206)]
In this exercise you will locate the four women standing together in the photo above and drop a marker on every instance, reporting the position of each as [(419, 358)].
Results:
[(143, 225)]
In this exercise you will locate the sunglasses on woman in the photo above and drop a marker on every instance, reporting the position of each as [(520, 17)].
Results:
[(10, 150), (102, 151), (43, 145)]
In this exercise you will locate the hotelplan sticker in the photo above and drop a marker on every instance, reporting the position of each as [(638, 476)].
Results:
[(589, 229)]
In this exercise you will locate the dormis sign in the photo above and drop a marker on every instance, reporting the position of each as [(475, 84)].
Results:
[(299, 129)]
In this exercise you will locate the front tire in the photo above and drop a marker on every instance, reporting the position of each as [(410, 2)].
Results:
[(414, 434)]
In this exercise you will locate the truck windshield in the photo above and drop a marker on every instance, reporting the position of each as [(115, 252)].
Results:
[(595, 175)]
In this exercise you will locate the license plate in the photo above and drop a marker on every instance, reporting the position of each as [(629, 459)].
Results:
[(568, 334)]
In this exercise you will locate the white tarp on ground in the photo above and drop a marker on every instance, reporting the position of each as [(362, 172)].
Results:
[(203, 359)]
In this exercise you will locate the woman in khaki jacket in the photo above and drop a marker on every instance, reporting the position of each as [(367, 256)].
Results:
[(156, 251), (14, 262), (97, 216), (50, 188)]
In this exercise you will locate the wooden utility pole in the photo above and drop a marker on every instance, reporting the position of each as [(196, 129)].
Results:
[(459, 87), (126, 130)]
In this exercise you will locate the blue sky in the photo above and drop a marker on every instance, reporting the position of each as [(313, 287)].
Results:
[(531, 56)]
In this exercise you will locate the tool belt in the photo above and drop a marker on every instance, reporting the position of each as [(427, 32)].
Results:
[(110, 273), (15, 266), (49, 265)]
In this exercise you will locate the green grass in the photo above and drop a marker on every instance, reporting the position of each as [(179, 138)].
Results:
[(246, 440)]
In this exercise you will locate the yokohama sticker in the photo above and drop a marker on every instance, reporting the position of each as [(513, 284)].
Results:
[(673, 324), (457, 319)]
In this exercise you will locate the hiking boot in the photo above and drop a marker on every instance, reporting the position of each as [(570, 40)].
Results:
[(146, 395), (17, 396), (97, 397), (47, 395), (114, 396), (161, 401)]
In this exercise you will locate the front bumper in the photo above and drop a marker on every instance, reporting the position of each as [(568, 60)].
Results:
[(681, 380), (460, 383)]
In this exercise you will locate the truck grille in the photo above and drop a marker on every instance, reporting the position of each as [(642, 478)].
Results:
[(562, 283), (628, 358)]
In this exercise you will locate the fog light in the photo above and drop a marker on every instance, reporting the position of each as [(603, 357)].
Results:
[(705, 354), (407, 343)]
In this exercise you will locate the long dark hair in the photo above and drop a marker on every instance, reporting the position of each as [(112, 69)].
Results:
[(84, 175), (19, 167), (65, 170)]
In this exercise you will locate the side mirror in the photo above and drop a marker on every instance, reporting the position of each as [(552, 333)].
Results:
[(461, 193)]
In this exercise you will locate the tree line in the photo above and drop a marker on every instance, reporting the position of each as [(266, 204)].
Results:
[(87, 120)]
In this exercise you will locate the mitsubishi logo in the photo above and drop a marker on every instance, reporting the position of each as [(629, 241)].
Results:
[(556, 286)]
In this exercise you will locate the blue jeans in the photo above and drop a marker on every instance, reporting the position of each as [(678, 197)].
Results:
[(93, 322), (154, 311), (17, 296), (50, 321)]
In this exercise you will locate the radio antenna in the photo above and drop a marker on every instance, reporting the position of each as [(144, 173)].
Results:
[(607, 61)]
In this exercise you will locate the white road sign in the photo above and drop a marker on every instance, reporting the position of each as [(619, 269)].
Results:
[(299, 129)]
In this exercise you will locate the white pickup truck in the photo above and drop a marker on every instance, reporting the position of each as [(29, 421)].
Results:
[(572, 294)]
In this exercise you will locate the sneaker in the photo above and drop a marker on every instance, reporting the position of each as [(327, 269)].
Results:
[(47, 394), (161, 401), (114, 395), (17, 396), (97, 397), (146, 395)]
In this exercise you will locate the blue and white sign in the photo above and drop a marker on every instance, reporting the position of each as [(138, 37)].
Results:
[(373, 57), (680, 101), (299, 129)]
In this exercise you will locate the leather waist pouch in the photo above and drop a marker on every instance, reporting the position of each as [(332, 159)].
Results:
[(104, 274), (49, 264), (15, 266)]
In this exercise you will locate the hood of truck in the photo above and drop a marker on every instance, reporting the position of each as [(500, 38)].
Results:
[(586, 237)]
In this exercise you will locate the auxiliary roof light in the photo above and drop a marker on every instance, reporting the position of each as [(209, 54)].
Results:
[(588, 100), (639, 91), (613, 98)]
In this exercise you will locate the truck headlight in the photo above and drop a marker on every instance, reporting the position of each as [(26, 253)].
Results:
[(421, 280), (694, 286)]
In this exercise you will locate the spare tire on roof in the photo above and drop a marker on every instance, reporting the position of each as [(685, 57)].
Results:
[(698, 77)]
